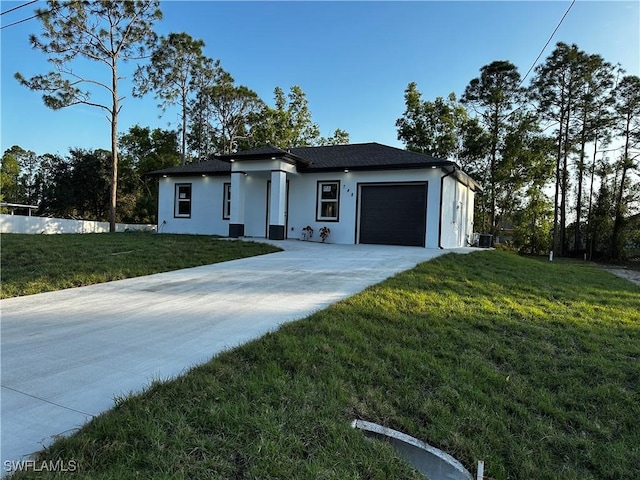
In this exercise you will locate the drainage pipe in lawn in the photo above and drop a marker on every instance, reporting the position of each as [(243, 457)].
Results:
[(432, 462)]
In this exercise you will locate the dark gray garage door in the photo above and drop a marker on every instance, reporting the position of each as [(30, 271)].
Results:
[(393, 214)]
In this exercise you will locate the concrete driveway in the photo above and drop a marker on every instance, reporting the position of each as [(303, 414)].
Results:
[(67, 354)]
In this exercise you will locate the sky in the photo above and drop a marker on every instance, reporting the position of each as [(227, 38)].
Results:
[(352, 59)]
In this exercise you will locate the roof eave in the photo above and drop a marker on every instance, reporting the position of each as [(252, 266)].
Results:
[(466, 180), (160, 173), (286, 156), (362, 168)]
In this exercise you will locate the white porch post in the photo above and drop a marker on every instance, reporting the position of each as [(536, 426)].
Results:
[(236, 218), (277, 205)]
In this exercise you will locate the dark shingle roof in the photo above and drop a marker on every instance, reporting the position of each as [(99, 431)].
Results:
[(364, 156), (359, 156), (211, 167)]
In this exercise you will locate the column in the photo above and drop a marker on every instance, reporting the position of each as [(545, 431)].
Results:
[(236, 220), (278, 205)]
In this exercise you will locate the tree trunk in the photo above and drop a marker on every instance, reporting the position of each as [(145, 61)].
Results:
[(589, 219), (555, 245), (565, 179), (492, 183), (114, 147), (583, 141), (616, 236), (183, 151)]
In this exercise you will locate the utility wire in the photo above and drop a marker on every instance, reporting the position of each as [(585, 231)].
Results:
[(39, 14), (20, 21), (19, 6), (547, 44)]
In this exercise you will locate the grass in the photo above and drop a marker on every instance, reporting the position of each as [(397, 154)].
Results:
[(531, 366), (41, 263)]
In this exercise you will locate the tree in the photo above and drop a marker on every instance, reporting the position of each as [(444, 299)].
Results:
[(145, 150), (176, 65), (525, 167), (415, 127), (22, 185), (437, 128), (79, 185), (48, 165), (601, 128), (9, 172), (591, 108), (58, 196), (287, 125), (227, 110), (627, 107), (533, 223), (150, 149), (601, 222), (107, 32), (90, 183), (557, 86), (494, 95), (339, 137)]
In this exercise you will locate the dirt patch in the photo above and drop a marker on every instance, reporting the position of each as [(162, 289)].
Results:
[(629, 274)]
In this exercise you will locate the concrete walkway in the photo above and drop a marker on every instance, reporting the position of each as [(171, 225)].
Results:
[(67, 354)]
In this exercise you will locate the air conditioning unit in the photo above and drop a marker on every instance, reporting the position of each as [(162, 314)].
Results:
[(485, 240)]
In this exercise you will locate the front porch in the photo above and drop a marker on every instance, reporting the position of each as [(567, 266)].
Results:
[(270, 167)]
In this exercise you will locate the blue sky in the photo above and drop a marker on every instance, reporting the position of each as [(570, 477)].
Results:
[(353, 59)]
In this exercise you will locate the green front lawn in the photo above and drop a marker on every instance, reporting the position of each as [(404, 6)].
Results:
[(41, 263), (530, 366)]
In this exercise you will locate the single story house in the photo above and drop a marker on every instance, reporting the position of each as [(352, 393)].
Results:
[(363, 193)]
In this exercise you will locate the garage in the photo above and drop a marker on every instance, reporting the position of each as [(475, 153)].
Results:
[(393, 214)]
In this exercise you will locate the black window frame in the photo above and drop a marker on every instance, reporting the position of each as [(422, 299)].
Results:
[(177, 201), (320, 201), (226, 201)]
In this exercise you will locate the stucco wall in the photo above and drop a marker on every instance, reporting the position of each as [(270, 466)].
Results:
[(303, 194), (207, 205), (457, 214)]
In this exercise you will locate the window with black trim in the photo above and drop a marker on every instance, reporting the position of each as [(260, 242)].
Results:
[(226, 201), (328, 201), (182, 206)]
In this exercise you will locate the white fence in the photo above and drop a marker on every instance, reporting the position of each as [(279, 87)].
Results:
[(22, 224)]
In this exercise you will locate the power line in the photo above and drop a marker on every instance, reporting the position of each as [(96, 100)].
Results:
[(546, 44), (21, 21), (19, 6), (38, 14)]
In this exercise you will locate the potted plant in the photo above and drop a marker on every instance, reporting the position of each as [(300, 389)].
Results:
[(307, 233), (324, 233)]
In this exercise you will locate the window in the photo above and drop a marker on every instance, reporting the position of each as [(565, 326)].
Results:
[(226, 201), (182, 206), (328, 201)]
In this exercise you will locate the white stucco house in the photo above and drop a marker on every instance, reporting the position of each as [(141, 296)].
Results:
[(364, 193)]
